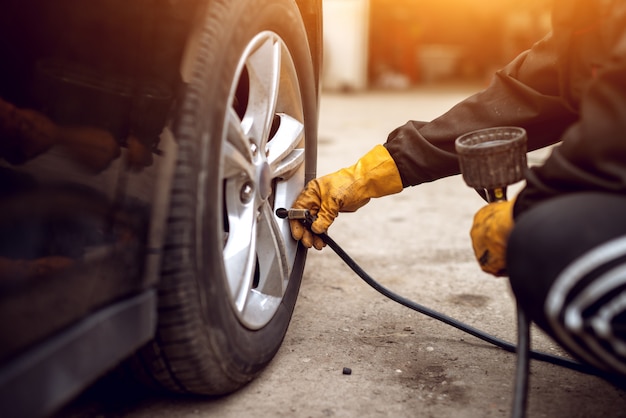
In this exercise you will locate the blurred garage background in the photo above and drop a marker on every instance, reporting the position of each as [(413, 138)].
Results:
[(396, 44)]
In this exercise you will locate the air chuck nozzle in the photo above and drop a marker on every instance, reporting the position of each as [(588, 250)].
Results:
[(282, 213), (302, 215)]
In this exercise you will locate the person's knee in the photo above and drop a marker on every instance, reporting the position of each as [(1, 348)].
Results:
[(550, 236), (527, 262), (536, 253), (565, 260)]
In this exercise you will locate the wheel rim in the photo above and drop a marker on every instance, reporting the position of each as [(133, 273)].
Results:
[(262, 169)]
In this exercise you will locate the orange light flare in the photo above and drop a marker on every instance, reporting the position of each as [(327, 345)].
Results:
[(481, 35)]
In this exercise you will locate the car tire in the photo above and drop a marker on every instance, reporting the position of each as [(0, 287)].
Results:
[(246, 132)]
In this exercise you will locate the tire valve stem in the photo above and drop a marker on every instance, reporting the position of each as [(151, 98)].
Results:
[(303, 215)]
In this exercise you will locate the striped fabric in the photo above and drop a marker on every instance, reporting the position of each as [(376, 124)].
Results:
[(586, 306)]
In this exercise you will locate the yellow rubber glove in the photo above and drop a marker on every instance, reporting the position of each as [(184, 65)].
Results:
[(490, 233), (374, 175)]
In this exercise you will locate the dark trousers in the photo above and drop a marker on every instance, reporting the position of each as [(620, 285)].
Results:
[(566, 260)]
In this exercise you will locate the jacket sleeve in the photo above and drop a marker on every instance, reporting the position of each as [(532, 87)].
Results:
[(592, 155), (525, 93)]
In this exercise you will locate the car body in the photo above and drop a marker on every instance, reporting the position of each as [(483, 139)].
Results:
[(144, 148)]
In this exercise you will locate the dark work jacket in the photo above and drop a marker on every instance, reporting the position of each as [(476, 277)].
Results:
[(569, 88)]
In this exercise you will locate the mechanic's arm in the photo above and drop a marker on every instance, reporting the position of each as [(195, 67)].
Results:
[(592, 155), (374, 175), (524, 93)]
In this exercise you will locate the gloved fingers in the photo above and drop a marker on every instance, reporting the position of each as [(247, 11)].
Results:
[(326, 215), (297, 229), (318, 243), (310, 240), (320, 226), (307, 239), (301, 233), (492, 260), (489, 245), (309, 199), (489, 233)]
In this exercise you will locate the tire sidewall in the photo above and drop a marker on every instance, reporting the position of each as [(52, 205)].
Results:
[(244, 352)]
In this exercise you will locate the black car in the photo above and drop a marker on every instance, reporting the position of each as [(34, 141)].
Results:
[(145, 146)]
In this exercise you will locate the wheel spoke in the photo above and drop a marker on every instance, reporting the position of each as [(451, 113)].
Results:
[(236, 136), (286, 148), (235, 163), (236, 151), (273, 265), (263, 67), (240, 250)]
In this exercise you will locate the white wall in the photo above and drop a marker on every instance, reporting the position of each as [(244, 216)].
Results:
[(345, 44)]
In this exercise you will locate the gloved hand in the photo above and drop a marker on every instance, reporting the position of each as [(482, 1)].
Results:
[(374, 175), (490, 233)]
